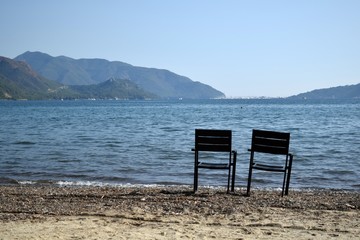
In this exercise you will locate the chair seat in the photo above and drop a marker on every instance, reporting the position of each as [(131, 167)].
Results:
[(269, 167), (213, 165)]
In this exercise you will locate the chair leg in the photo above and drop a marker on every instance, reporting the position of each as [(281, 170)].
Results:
[(195, 179), (233, 173), (249, 181), (288, 175), (287, 182), (233, 180), (228, 185), (283, 186)]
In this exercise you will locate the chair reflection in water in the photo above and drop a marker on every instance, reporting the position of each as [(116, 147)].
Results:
[(264, 146), (215, 148)]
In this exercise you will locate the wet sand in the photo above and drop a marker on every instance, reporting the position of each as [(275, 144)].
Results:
[(48, 212)]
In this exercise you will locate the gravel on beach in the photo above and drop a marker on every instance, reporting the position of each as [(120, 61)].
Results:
[(37, 202)]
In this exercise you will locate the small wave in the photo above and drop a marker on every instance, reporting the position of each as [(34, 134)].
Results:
[(170, 129), (68, 160), (24, 143), (112, 145), (82, 183), (339, 172), (86, 184), (99, 184), (27, 182), (66, 183), (38, 182)]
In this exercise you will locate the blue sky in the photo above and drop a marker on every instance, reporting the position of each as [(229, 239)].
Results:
[(242, 48)]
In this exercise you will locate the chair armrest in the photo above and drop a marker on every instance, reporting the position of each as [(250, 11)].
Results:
[(193, 149), (234, 152), (291, 156)]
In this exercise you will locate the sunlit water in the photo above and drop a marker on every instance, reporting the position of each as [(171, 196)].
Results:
[(149, 142)]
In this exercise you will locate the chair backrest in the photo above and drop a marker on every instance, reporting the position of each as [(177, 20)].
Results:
[(213, 140), (270, 142)]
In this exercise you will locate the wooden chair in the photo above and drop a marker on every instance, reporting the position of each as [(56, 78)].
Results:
[(214, 141), (274, 143)]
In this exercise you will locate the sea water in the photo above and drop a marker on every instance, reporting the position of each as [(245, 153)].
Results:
[(149, 142)]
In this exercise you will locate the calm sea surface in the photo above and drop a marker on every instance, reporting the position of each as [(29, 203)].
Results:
[(149, 142)]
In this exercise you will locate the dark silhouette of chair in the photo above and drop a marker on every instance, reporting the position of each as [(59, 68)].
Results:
[(215, 146), (265, 145)]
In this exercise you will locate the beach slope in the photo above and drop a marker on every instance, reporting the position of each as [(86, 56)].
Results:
[(47, 212)]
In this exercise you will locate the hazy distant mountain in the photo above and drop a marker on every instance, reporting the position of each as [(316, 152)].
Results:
[(19, 81), (341, 92), (113, 89), (162, 83)]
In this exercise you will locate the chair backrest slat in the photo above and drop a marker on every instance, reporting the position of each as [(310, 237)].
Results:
[(270, 142), (213, 140)]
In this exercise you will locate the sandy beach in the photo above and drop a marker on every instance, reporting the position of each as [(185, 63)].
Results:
[(48, 212)]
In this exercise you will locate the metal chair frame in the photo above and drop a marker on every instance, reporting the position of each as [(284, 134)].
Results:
[(271, 142), (210, 140)]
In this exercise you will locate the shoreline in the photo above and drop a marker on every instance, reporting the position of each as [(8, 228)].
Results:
[(8, 182), (38, 212)]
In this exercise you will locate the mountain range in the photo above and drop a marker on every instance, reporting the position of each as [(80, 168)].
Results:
[(159, 82), (35, 75)]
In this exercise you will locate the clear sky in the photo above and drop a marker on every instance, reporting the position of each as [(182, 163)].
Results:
[(242, 48)]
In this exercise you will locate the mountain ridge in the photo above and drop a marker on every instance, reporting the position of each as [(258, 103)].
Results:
[(83, 71), (339, 92), (113, 89), (19, 81)]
